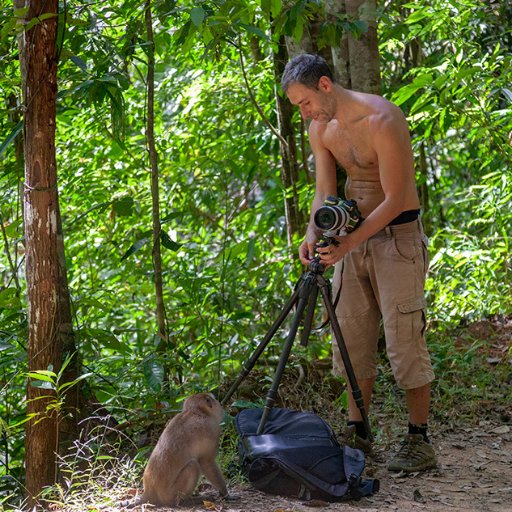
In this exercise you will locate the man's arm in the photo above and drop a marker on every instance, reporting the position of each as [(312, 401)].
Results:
[(390, 139), (391, 142), (325, 172)]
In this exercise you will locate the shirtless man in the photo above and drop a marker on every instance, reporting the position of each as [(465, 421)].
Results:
[(382, 264)]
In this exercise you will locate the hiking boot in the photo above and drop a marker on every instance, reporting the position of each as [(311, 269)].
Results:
[(414, 455), (351, 439)]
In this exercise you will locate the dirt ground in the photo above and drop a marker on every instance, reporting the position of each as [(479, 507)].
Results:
[(474, 474)]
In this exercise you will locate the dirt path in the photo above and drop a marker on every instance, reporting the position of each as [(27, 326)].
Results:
[(475, 475), (475, 456)]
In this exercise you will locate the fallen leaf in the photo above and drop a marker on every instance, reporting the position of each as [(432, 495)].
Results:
[(504, 429), (417, 496)]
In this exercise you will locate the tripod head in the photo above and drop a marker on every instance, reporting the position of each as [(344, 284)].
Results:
[(315, 266)]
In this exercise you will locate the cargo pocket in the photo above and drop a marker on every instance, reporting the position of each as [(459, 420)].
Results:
[(411, 320)]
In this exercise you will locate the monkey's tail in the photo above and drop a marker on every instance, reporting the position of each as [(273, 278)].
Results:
[(132, 503)]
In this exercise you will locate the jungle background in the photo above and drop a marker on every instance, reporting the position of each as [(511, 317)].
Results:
[(184, 181)]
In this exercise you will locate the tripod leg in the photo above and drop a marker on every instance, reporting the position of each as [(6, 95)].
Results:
[(249, 364), (272, 393), (310, 311), (356, 392)]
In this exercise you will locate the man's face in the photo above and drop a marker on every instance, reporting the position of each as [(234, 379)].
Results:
[(317, 104)]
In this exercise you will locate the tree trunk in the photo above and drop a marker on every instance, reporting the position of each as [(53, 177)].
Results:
[(340, 54), (295, 220), (74, 402), (153, 160), (364, 50), (39, 70)]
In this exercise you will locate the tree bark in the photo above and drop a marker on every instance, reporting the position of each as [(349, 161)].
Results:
[(364, 50), (39, 70), (340, 54)]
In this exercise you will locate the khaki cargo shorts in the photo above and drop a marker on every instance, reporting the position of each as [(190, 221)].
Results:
[(384, 279)]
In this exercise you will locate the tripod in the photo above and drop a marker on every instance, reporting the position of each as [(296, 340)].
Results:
[(305, 297)]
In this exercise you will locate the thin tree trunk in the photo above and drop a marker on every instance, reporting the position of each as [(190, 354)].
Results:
[(153, 160), (39, 69), (74, 401), (15, 117)]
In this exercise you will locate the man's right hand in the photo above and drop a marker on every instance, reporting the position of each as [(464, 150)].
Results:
[(307, 252)]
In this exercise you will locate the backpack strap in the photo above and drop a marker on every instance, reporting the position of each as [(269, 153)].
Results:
[(307, 479)]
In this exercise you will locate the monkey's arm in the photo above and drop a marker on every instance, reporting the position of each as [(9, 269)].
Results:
[(213, 474)]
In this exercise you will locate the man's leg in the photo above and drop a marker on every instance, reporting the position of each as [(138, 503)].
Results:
[(416, 453), (418, 404), (356, 435), (359, 318), (401, 251)]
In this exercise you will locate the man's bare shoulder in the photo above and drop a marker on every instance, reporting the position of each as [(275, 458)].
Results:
[(316, 131), (385, 116)]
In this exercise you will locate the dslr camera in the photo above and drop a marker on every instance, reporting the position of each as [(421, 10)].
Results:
[(337, 215)]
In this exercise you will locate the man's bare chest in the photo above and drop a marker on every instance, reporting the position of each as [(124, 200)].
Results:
[(350, 147)]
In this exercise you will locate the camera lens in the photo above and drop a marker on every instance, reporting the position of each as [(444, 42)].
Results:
[(327, 218)]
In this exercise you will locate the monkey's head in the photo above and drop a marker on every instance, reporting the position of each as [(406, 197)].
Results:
[(204, 403)]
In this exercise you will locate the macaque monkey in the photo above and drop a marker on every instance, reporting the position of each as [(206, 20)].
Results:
[(186, 449)]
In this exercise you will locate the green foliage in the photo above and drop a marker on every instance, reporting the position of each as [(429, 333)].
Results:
[(459, 103), (227, 270)]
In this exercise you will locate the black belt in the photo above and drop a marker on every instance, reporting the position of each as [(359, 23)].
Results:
[(407, 216)]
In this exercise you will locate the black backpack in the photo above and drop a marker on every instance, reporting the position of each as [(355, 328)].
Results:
[(298, 456)]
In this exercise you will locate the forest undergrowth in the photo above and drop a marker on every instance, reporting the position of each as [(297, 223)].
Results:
[(471, 427), (471, 409)]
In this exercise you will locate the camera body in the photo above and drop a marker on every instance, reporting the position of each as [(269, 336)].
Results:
[(337, 215)]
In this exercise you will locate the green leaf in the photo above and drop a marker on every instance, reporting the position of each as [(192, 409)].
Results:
[(240, 403), (123, 206), (74, 382), (43, 379), (135, 247), (168, 242), (154, 374), (21, 12), (403, 94), (79, 62), (298, 31), (6, 143), (172, 216), (276, 7), (256, 31), (43, 385), (38, 19), (42, 375), (197, 15), (8, 297), (103, 336)]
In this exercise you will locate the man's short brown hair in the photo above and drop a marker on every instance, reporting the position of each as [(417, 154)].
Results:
[(305, 69)]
